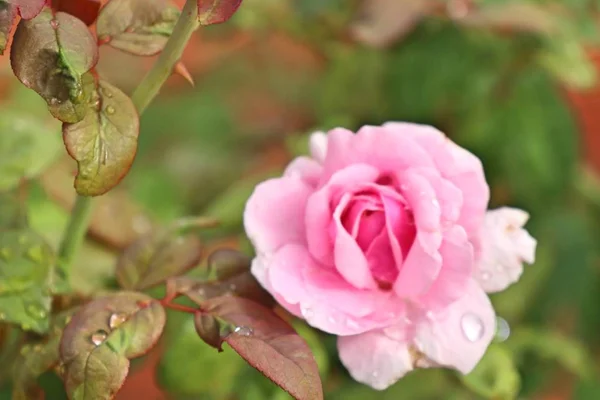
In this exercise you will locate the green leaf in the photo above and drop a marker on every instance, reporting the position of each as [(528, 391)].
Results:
[(8, 14), (26, 265), (157, 257), (547, 345), (50, 54), (12, 212), (140, 27), (102, 337), (496, 376), (269, 344), (566, 58), (216, 11), (26, 147), (104, 143), (36, 358), (189, 367)]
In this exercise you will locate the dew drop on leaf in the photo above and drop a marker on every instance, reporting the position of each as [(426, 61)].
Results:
[(243, 331), (472, 327), (110, 110), (116, 320), (99, 337), (54, 23)]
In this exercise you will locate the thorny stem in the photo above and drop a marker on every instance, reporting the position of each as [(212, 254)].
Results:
[(142, 97)]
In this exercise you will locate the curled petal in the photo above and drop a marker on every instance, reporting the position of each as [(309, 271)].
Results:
[(318, 146), (305, 169), (503, 248), (274, 214), (458, 335), (375, 359)]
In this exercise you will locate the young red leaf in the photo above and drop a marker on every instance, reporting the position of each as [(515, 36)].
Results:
[(209, 330), (26, 264), (8, 14), (104, 143), (27, 8), (242, 285), (227, 263), (50, 54), (216, 11), (85, 10), (270, 345), (140, 27), (102, 337), (156, 257)]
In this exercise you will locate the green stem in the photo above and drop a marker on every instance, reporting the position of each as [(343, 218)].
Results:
[(163, 68), (142, 97)]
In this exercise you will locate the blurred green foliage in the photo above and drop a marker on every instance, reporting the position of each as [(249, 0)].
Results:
[(498, 92)]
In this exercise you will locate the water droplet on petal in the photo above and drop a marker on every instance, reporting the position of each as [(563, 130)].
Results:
[(243, 331), (485, 276), (99, 337), (116, 320), (307, 312), (110, 110), (375, 374), (502, 329), (331, 320), (472, 327), (436, 204)]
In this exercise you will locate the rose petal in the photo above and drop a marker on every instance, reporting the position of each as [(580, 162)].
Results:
[(374, 359), (319, 208), (503, 248), (418, 272), (350, 261), (323, 297), (274, 214), (457, 165), (318, 146), (304, 168), (456, 271), (458, 336), (380, 147)]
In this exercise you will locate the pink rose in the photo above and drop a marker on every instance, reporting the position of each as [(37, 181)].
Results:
[(382, 238)]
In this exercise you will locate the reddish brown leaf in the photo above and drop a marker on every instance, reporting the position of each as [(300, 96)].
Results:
[(209, 330), (102, 337), (85, 10), (8, 15), (28, 8), (140, 27), (212, 12), (270, 345), (224, 264), (156, 257), (51, 54), (104, 143)]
